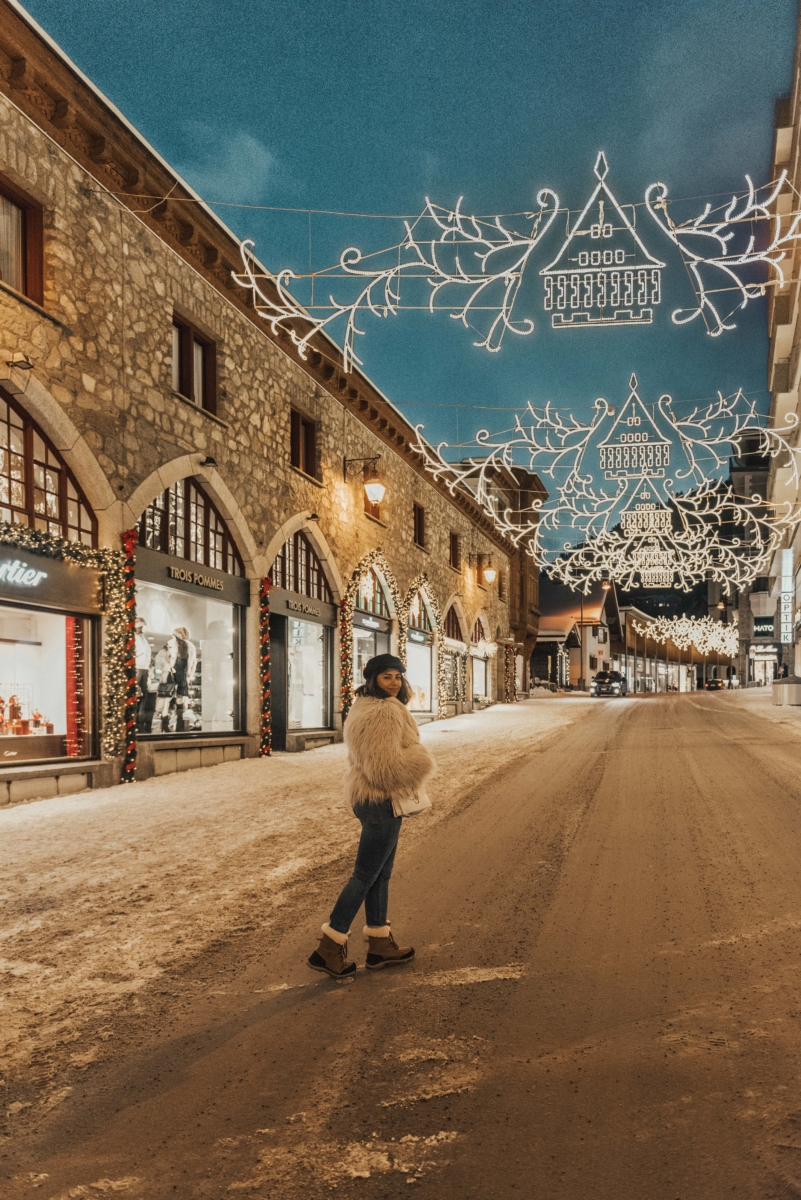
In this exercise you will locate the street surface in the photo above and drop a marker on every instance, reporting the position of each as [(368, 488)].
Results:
[(605, 1002)]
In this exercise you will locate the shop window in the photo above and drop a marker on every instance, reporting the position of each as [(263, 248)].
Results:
[(372, 597), (297, 568), (452, 665), (36, 487), (455, 552), (46, 686), (418, 614), (453, 628), (194, 365), (419, 525), (20, 241), (480, 677), (303, 443), (184, 522)]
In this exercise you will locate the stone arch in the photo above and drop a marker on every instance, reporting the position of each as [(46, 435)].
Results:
[(187, 466), (303, 522), (49, 415)]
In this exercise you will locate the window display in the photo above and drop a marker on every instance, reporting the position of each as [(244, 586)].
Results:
[(46, 685), (419, 664), (479, 677), (185, 650), (306, 675), (452, 665)]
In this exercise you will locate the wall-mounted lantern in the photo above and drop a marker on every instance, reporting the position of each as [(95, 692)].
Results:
[(374, 486)]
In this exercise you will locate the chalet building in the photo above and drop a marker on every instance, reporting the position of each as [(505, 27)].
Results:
[(193, 567)]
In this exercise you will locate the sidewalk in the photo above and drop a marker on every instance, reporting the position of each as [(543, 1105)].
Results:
[(105, 890)]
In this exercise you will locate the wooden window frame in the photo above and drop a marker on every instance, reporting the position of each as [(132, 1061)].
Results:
[(188, 334), (419, 519), (299, 570), (303, 443), (455, 551), (32, 237), (453, 626), (231, 555), (65, 477)]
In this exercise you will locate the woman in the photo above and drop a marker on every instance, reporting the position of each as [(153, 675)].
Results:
[(385, 757)]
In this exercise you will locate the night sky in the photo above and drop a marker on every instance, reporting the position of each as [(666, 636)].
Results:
[(368, 107)]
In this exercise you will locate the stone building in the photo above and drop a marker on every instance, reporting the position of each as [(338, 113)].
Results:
[(164, 453)]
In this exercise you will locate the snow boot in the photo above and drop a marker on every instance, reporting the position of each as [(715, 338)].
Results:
[(383, 950), (331, 956)]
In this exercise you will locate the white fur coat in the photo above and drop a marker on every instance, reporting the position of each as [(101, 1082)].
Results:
[(384, 750)]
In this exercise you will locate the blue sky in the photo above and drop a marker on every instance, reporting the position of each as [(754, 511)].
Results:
[(368, 107)]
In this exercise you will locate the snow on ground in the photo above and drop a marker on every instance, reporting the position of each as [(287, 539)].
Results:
[(103, 891)]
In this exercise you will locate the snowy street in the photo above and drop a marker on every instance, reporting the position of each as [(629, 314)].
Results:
[(606, 906)]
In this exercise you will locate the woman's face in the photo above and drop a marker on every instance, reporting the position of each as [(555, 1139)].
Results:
[(390, 682)]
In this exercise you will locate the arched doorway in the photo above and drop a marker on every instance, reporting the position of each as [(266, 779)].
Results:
[(303, 619), (191, 597), (51, 598)]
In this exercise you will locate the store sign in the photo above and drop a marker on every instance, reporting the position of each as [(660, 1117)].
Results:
[(309, 607), (763, 627), (291, 604), (418, 635), (50, 583), (19, 573), (177, 573), (199, 580), (364, 620), (786, 615)]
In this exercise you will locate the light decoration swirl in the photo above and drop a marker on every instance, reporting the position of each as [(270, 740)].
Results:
[(638, 497), (472, 267), (702, 633)]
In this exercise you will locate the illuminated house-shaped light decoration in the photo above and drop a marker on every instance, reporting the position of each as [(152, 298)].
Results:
[(634, 446), (603, 275)]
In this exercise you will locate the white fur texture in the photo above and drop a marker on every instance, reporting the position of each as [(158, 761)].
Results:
[(376, 931), (335, 935), (384, 750)]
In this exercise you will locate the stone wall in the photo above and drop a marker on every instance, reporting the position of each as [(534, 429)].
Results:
[(101, 389)]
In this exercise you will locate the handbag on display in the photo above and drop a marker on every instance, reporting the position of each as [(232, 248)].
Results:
[(167, 685), (410, 802)]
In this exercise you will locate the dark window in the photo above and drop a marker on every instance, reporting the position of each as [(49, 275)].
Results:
[(452, 627), (303, 443), (455, 552), (593, 663), (36, 488), (298, 569), (372, 510), (478, 634), (419, 525), (183, 522), (20, 241), (501, 585), (194, 365), (371, 597)]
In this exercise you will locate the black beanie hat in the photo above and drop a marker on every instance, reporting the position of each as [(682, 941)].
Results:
[(382, 662)]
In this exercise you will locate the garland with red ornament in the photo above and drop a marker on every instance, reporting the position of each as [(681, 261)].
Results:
[(129, 540), (266, 744)]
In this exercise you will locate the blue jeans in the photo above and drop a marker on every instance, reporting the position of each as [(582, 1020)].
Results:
[(369, 883)]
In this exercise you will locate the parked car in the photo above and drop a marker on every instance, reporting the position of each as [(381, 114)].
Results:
[(715, 685), (608, 683)]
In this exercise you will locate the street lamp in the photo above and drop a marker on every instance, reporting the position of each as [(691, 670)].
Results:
[(374, 487), (489, 572)]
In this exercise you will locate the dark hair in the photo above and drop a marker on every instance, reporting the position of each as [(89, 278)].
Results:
[(371, 688)]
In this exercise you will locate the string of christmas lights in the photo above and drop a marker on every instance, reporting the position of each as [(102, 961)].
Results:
[(129, 540), (266, 741), (704, 634)]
